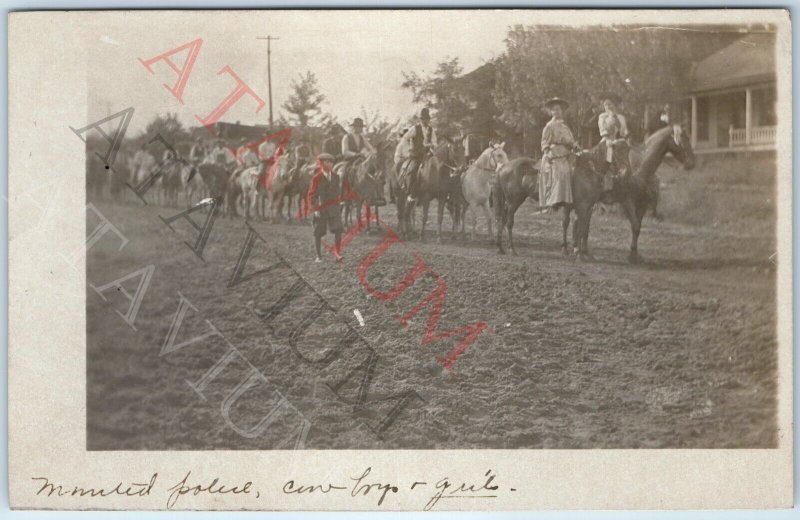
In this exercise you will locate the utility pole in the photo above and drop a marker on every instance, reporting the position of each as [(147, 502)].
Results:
[(269, 72)]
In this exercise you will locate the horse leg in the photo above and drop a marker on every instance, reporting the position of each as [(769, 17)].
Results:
[(636, 225), (474, 213), (564, 227), (425, 206), (656, 197), (512, 210), (501, 219), (585, 236), (487, 214), (440, 204)]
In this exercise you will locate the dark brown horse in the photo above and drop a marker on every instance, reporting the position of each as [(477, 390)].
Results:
[(516, 181), (634, 192), (215, 177), (434, 182)]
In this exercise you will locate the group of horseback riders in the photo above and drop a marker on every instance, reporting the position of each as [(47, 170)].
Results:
[(415, 144)]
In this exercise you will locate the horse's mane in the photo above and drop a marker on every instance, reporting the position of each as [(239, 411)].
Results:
[(483, 160)]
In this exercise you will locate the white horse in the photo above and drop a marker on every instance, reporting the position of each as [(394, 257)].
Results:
[(476, 186)]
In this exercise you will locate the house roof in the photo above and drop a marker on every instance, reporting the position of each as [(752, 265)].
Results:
[(747, 61)]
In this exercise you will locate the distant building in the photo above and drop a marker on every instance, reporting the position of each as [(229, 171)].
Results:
[(232, 133), (732, 97)]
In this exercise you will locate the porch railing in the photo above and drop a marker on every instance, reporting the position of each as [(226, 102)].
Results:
[(759, 135)]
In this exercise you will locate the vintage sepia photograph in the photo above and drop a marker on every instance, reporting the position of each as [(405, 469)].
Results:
[(530, 236), (400, 260)]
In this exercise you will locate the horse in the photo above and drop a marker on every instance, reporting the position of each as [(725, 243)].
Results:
[(475, 184), (171, 182), (193, 186), (280, 188), (433, 182), (366, 179), (636, 192), (587, 190), (215, 177), (516, 181)]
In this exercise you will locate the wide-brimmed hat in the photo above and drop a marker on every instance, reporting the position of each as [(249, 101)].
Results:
[(550, 103), (326, 157), (425, 114), (357, 123)]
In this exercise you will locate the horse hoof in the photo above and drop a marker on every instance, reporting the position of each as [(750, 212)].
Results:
[(513, 251), (565, 251), (501, 251), (634, 258)]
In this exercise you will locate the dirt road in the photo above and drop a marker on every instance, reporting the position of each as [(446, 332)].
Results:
[(677, 352)]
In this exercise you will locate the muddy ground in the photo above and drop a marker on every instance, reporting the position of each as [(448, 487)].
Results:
[(677, 352)]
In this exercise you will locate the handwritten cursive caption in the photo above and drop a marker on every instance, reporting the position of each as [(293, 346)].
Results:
[(358, 486)]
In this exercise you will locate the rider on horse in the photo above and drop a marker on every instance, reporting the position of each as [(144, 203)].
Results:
[(198, 152), (355, 146), (612, 127), (420, 141), (331, 144)]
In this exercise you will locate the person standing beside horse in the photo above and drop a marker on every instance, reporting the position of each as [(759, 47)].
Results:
[(555, 180), (324, 194), (421, 141)]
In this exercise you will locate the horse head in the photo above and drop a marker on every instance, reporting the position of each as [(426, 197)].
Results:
[(493, 158), (680, 146)]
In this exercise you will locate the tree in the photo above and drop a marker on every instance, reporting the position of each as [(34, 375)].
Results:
[(641, 65), (442, 92), (379, 129), (306, 101), (170, 128)]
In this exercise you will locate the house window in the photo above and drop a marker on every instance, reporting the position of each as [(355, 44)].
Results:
[(702, 119)]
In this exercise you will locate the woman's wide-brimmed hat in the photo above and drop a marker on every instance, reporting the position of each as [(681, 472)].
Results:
[(357, 123), (556, 101)]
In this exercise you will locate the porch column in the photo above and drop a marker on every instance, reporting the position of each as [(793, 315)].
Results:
[(748, 108), (694, 122)]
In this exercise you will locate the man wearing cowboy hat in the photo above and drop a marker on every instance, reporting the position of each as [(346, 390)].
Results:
[(555, 179), (355, 146), (354, 143), (324, 194), (420, 140)]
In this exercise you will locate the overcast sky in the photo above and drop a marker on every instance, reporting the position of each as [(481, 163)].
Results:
[(358, 58)]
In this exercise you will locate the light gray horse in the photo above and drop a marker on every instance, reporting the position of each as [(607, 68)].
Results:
[(476, 186)]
